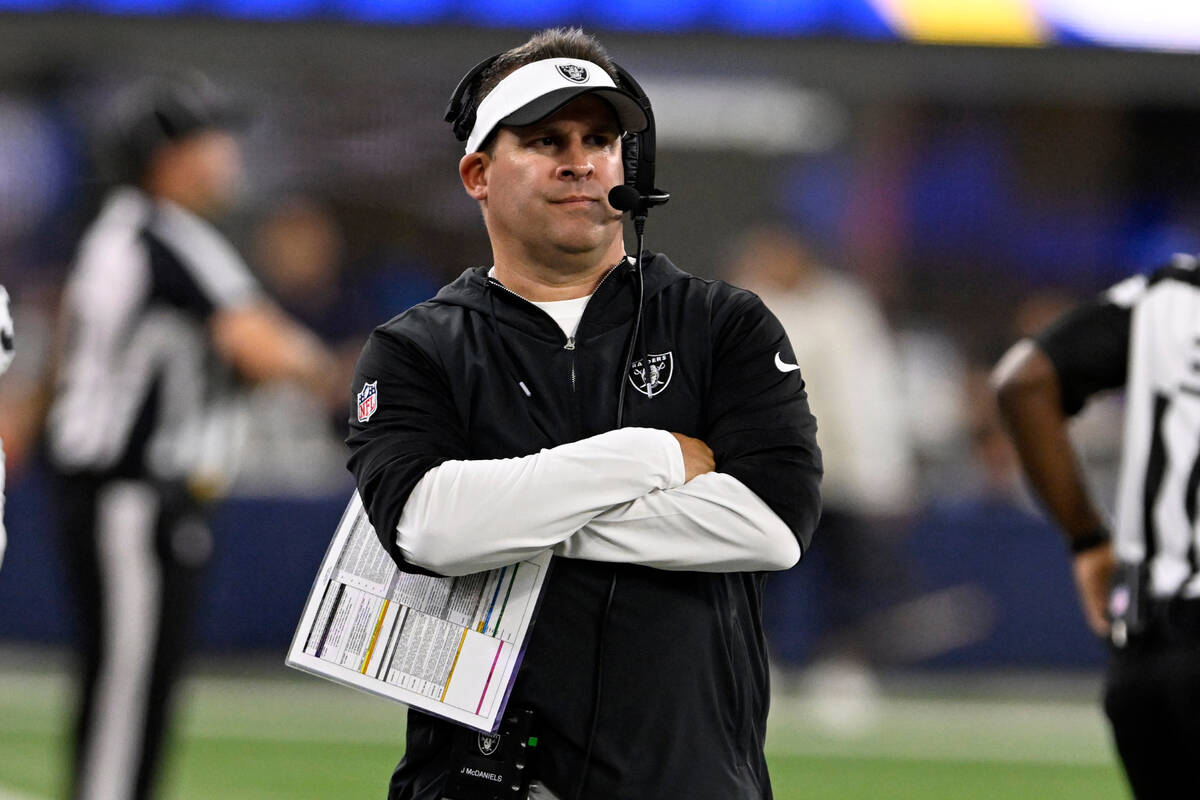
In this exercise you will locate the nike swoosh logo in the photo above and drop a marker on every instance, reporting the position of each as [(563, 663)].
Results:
[(782, 367)]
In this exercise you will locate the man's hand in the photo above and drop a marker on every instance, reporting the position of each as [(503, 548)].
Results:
[(1093, 578), (697, 456)]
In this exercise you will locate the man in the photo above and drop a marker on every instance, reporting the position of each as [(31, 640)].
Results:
[(7, 346), (495, 436), (1143, 593), (159, 313)]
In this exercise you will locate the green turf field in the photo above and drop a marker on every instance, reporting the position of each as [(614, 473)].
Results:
[(250, 732)]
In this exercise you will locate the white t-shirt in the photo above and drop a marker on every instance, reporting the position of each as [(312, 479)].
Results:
[(566, 313)]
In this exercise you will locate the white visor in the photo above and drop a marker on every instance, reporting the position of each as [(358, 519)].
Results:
[(537, 90)]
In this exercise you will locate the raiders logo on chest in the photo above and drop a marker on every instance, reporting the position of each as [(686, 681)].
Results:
[(651, 374)]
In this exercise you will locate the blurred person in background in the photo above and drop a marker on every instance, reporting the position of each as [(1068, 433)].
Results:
[(299, 250), (7, 347), (1144, 592), (160, 318), (295, 447), (844, 345)]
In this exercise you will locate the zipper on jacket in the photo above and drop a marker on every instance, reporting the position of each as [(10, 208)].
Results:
[(570, 345)]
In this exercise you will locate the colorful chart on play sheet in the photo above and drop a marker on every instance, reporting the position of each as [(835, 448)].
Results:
[(449, 646)]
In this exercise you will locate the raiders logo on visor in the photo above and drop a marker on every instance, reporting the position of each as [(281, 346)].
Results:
[(573, 72)]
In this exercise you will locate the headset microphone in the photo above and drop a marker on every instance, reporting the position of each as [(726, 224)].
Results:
[(627, 198), (623, 197)]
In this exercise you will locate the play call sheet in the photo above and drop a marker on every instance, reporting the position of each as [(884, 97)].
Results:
[(449, 646)]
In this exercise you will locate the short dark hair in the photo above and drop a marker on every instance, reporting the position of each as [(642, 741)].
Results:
[(549, 43)]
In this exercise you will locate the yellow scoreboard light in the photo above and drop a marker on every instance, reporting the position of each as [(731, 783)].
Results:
[(994, 22)]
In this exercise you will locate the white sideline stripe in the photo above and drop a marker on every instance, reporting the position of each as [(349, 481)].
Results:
[(889, 748), (1001, 744), (990, 730), (8, 794), (132, 582)]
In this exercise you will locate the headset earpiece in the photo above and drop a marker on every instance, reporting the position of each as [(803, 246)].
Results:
[(631, 147), (460, 112), (638, 153)]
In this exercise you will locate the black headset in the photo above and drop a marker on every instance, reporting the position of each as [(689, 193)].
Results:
[(637, 149)]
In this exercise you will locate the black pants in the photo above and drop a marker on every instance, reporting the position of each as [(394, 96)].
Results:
[(1152, 698), (133, 550)]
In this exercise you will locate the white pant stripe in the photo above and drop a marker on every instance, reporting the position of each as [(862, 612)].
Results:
[(131, 585)]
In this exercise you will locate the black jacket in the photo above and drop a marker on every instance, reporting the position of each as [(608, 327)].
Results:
[(685, 686)]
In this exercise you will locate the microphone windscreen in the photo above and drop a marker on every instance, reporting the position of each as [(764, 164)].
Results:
[(623, 198)]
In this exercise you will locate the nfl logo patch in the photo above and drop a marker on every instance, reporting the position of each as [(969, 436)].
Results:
[(368, 400)]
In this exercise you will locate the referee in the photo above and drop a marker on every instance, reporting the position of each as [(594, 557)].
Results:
[(1143, 590), (160, 318)]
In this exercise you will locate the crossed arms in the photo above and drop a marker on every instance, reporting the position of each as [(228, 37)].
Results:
[(620, 496)]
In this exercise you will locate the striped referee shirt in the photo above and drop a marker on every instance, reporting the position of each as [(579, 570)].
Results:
[(140, 391), (1144, 333)]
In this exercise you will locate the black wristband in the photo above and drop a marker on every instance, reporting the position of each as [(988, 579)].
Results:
[(1090, 540)]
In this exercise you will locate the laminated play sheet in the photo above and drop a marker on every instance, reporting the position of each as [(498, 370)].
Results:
[(448, 646)]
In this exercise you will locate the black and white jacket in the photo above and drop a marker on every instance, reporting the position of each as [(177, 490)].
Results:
[(481, 385), (140, 391)]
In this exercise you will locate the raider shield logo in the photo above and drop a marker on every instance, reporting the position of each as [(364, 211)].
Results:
[(368, 400), (650, 375), (573, 72), (487, 743)]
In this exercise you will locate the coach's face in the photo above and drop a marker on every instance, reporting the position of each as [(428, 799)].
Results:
[(544, 187)]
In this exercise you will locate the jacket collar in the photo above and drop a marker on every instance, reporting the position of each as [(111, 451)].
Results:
[(612, 304)]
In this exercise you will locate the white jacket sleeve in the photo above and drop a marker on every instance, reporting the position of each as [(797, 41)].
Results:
[(714, 523), (468, 516)]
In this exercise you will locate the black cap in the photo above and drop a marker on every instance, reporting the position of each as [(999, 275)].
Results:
[(158, 111)]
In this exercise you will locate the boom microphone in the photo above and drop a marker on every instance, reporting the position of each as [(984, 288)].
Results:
[(623, 197)]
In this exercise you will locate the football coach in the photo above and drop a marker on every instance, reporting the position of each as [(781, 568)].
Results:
[(649, 427)]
